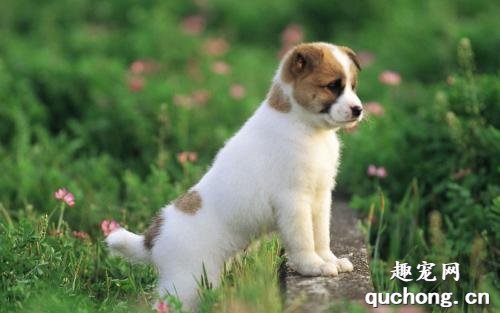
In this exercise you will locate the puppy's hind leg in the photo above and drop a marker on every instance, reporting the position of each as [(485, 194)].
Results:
[(184, 287), (184, 281), (181, 267)]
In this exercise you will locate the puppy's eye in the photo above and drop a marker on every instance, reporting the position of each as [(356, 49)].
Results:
[(335, 86)]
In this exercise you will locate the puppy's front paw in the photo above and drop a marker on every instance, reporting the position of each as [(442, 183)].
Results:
[(310, 264), (344, 265), (327, 256), (329, 269)]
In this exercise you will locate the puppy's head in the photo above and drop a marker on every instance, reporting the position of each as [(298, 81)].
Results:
[(321, 79)]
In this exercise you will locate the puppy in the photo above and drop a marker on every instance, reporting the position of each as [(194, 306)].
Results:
[(276, 173)]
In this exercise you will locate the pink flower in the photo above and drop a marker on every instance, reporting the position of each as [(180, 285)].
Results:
[(221, 68), (197, 98), (187, 156), (108, 226), (60, 193), (136, 84), (381, 172), (137, 67), (80, 235), (366, 58), (292, 34), (143, 67), (200, 97), (390, 78), (372, 170), (65, 196), (69, 198), (162, 307), (374, 108), (215, 46), (237, 91), (194, 24)]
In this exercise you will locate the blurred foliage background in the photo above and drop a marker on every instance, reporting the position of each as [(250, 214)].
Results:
[(126, 102)]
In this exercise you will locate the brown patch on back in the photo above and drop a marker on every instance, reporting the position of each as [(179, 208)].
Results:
[(278, 100), (189, 203), (153, 231)]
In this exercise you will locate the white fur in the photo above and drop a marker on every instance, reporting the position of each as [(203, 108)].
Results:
[(275, 173), (123, 242), (341, 111)]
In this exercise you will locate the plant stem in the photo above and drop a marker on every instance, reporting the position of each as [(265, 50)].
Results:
[(59, 223), (6, 214)]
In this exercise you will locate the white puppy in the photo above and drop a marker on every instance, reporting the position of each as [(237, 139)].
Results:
[(276, 173)]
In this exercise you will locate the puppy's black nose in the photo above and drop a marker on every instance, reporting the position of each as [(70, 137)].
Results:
[(356, 111)]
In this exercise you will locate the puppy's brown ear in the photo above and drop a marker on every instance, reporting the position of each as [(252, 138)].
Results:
[(302, 61), (352, 55)]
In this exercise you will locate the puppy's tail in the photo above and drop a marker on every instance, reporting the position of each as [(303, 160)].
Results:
[(127, 244)]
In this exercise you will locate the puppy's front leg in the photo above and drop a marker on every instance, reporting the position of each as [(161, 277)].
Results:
[(294, 219), (321, 226)]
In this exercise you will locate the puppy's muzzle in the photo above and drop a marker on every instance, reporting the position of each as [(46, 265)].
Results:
[(356, 111)]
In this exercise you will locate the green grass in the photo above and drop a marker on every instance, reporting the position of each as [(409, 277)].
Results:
[(46, 271)]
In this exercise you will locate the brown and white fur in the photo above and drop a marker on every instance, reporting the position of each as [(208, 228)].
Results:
[(276, 173)]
